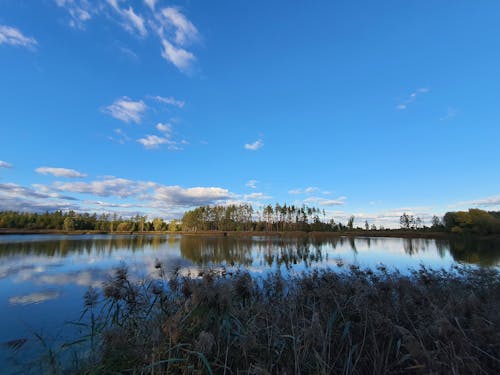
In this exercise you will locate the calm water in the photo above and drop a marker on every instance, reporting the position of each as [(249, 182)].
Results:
[(43, 277)]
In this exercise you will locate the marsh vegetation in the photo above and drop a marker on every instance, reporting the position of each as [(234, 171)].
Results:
[(353, 322)]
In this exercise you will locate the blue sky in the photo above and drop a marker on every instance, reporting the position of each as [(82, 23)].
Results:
[(154, 107)]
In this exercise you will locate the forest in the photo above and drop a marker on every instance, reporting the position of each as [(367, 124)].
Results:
[(277, 218)]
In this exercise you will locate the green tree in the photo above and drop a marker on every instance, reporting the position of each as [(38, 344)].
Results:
[(158, 224), (172, 226), (69, 224)]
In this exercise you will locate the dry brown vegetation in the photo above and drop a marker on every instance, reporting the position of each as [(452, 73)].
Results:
[(324, 322)]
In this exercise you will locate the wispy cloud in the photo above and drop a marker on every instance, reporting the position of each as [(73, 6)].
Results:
[(258, 144), (252, 184), (151, 4), (450, 113), (174, 30), (32, 298), (326, 202), (411, 98), (481, 202), (127, 110), (60, 172), (390, 218), (184, 32), (164, 128), (307, 190), (131, 21), (4, 164), (14, 37), (180, 57), (256, 196), (121, 137), (80, 11), (169, 100), (151, 141)]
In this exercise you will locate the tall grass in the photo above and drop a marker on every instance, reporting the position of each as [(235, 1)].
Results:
[(323, 322)]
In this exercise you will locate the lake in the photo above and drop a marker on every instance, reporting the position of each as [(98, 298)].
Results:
[(43, 277)]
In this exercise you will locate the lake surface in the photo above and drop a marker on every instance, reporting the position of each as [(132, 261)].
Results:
[(43, 277)]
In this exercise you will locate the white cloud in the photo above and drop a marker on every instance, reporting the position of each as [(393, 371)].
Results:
[(127, 110), (196, 196), (411, 98), (174, 30), (4, 164), (181, 58), (169, 100), (34, 298), (307, 190), (482, 202), (19, 198), (110, 186), (153, 141), (14, 37), (79, 11), (254, 146), (252, 184), (135, 20), (144, 197), (326, 202), (60, 172), (151, 4), (256, 196), (390, 218), (132, 21), (184, 31), (164, 128)]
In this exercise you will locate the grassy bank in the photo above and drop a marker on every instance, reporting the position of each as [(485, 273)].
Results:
[(353, 322)]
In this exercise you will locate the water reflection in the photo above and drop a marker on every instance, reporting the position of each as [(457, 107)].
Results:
[(34, 252), (61, 246), (485, 253), (43, 278)]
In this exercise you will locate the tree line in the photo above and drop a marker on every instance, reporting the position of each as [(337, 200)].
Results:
[(243, 217), (72, 221), (277, 218)]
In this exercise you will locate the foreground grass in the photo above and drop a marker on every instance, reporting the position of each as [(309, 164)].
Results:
[(356, 322)]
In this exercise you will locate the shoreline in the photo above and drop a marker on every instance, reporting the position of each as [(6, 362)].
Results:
[(313, 234)]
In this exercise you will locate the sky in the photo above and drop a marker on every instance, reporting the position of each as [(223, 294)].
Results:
[(153, 107)]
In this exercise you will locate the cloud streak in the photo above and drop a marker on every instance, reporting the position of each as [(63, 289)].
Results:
[(14, 37), (326, 202), (482, 202), (79, 11), (252, 184), (4, 164), (173, 29), (307, 190), (60, 172), (169, 100), (411, 98), (181, 58)]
